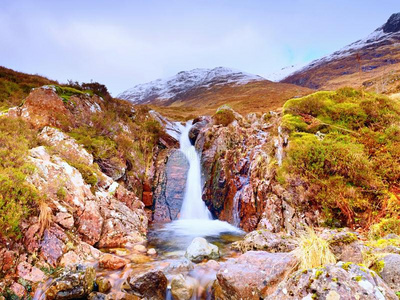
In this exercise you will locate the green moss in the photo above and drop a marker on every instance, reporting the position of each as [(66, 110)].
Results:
[(346, 265), (358, 278), (61, 193), (67, 92), (224, 116), (385, 226), (318, 273)]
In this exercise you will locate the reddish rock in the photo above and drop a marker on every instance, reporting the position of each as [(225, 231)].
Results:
[(112, 262), (253, 275), (18, 290), (90, 223), (66, 220), (127, 197), (30, 273), (148, 284), (147, 199), (43, 107), (7, 260), (31, 240), (52, 247)]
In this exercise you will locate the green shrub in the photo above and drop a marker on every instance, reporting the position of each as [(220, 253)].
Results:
[(353, 160), (17, 197), (224, 116), (384, 227)]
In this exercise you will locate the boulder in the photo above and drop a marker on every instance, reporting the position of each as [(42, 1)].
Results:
[(199, 249), (340, 281), (43, 107), (181, 289), (30, 273), (390, 271), (112, 262), (52, 245), (345, 245), (150, 284), (75, 283), (253, 275), (103, 284), (266, 241)]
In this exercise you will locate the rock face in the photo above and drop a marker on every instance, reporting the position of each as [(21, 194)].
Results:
[(170, 185), (199, 249), (390, 272), (239, 163), (253, 275), (341, 281), (393, 24)]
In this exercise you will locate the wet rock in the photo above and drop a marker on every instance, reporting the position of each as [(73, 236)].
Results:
[(198, 124), (121, 296), (97, 296), (266, 241), (199, 249), (65, 220), (103, 284), (140, 248), (170, 185), (341, 281), (30, 273), (112, 262), (390, 272), (152, 251), (253, 275), (181, 289), (150, 284), (75, 283)]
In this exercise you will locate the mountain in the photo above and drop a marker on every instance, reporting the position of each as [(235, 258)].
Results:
[(373, 62), (176, 87), (204, 90)]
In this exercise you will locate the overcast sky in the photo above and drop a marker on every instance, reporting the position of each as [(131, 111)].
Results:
[(123, 43)]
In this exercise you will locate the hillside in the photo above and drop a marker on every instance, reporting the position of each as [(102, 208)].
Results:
[(373, 62), (202, 91)]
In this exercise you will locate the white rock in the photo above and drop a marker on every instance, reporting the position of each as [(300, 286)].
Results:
[(200, 249)]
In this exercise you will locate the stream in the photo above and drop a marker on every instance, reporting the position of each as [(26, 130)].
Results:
[(170, 240)]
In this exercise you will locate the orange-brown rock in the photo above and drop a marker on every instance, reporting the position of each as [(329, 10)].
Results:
[(43, 107), (112, 262)]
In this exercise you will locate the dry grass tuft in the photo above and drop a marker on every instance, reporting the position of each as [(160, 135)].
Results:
[(45, 215), (313, 251)]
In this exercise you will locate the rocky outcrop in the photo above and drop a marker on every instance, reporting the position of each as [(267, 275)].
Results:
[(253, 275), (169, 182), (266, 241), (341, 281), (239, 163), (100, 218)]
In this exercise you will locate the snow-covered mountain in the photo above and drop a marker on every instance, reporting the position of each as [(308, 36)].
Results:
[(378, 49), (184, 82)]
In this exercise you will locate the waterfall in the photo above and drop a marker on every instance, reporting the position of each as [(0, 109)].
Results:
[(193, 206)]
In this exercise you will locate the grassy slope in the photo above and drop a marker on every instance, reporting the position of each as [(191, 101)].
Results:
[(345, 146), (15, 86)]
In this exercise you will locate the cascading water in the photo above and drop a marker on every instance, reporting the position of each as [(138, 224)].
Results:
[(193, 206), (195, 219)]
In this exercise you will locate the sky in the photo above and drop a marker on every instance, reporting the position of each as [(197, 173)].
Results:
[(122, 43)]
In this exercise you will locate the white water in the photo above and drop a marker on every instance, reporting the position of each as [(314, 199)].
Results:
[(195, 218), (193, 206)]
